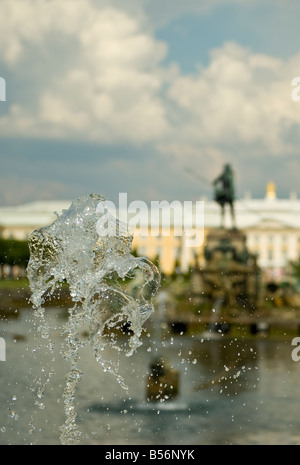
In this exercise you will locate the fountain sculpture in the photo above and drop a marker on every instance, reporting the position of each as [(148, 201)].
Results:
[(231, 274), (89, 250), (163, 379)]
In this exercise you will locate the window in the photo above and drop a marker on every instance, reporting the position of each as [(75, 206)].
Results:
[(284, 254), (270, 254)]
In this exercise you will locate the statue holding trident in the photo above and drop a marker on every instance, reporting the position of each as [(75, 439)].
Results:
[(224, 193)]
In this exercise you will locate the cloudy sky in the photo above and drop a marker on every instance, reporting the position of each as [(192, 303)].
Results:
[(109, 96)]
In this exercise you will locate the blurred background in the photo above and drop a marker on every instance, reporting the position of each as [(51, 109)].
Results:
[(152, 98), (116, 96)]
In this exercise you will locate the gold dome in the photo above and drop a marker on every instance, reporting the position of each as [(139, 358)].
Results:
[(271, 190)]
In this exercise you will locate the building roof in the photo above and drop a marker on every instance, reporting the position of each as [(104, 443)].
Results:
[(31, 214), (269, 212), (258, 213)]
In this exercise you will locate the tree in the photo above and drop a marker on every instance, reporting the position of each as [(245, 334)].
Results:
[(14, 252)]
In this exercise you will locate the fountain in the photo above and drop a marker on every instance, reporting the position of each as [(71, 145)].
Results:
[(231, 277), (231, 273), (163, 380), (214, 330), (88, 250)]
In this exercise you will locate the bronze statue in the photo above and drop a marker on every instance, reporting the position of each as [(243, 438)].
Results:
[(224, 192)]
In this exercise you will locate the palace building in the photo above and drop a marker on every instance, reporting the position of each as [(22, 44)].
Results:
[(271, 226)]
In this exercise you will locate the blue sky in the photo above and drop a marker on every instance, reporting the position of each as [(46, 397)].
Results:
[(113, 96), (260, 28)]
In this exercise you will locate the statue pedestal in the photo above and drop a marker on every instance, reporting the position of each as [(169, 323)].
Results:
[(225, 239), (231, 272)]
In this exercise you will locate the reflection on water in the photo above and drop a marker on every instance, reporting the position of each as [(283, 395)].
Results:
[(231, 392)]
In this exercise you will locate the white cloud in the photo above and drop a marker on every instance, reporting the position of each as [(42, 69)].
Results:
[(239, 99), (107, 89), (101, 77)]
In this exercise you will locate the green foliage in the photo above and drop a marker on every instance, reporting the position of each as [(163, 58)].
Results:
[(14, 252), (295, 268)]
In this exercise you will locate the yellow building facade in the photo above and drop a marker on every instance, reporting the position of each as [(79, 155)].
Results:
[(271, 225)]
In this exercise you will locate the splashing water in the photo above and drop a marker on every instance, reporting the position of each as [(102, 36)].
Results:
[(91, 252)]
